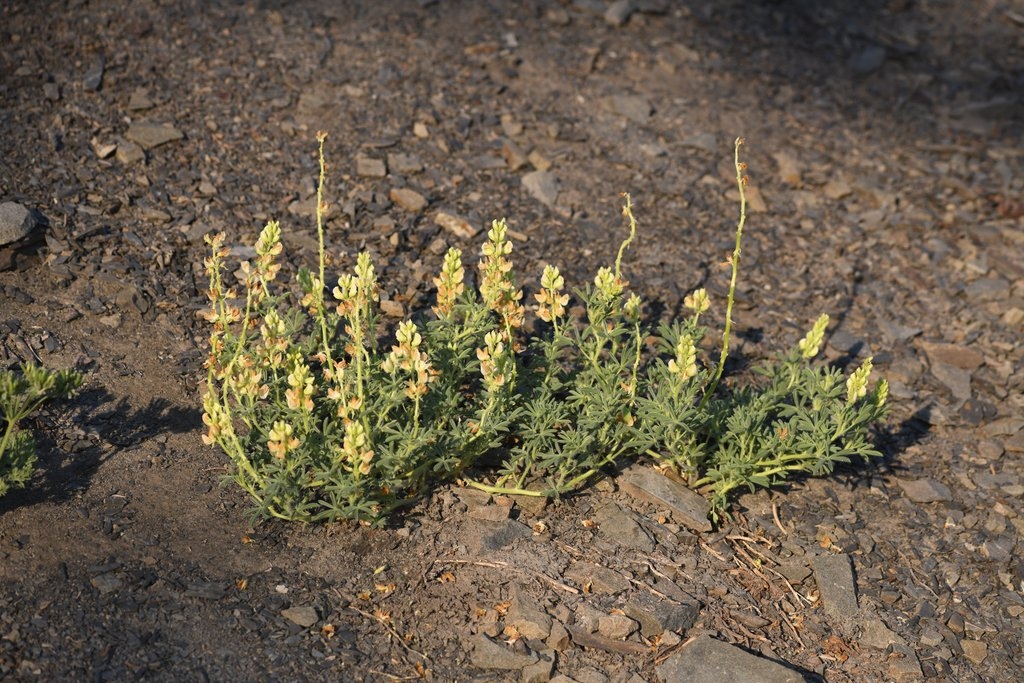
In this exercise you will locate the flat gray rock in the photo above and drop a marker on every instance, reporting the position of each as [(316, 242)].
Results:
[(456, 225), (599, 579), (925, 490), (834, 575), (488, 654), (957, 355), (688, 507), (656, 615), (543, 185), (636, 109), (957, 380), (149, 135), (620, 528), (16, 222), (877, 635), (486, 537), (706, 660), (305, 615)]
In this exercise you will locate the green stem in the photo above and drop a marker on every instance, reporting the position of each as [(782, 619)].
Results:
[(735, 262), (321, 308)]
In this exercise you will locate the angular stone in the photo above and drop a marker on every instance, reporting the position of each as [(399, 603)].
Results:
[(457, 225), (599, 579), (305, 615), (834, 575), (558, 640), (620, 528), (410, 200), (1004, 426), (618, 12), (636, 109), (876, 634), (524, 615), (404, 163), (486, 537), (514, 157), (688, 507), (139, 100), (106, 583), (998, 549), (129, 153), (538, 672), (15, 222), (706, 660), (488, 654), (895, 332), (368, 167), (616, 626), (953, 354), (957, 380), (656, 616), (903, 665), (794, 573), (925, 490), (836, 189), (789, 168), (149, 135), (543, 185), (975, 650), (988, 289), (93, 78), (490, 513)]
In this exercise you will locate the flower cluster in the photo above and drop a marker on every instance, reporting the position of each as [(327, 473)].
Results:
[(609, 285), (697, 301), (356, 292), (550, 298), (299, 395), (449, 284), (496, 286), (811, 343), (216, 419), (355, 448), (407, 357), (685, 362), (496, 362), (281, 440)]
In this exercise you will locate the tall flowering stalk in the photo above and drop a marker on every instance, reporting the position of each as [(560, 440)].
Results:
[(497, 286)]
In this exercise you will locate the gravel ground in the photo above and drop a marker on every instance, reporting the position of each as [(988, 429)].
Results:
[(885, 148)]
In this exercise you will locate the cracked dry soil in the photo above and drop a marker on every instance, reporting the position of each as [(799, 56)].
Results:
[(885, 152)]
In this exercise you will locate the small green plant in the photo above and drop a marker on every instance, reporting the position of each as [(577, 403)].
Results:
[(21, 394), (324, 420)]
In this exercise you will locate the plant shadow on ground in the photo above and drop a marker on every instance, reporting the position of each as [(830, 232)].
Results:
[(64, 471)]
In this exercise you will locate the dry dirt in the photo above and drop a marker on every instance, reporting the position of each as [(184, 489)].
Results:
[(884, 140)]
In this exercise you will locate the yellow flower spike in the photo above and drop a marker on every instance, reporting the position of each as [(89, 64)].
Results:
[(857, 383), (698, 301), (685, 362), (450, 283), (281, 440), (299, 396), (881, 393), (810, 344)]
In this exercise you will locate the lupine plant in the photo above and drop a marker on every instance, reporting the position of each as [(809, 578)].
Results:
[(325, 416), (21, 394)]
